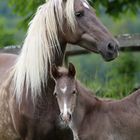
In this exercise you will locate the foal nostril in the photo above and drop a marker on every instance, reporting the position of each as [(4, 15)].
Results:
[(61, 115), (69, 116), (66, 118)]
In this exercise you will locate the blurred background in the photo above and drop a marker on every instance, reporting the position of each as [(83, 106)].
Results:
[(107, 79)]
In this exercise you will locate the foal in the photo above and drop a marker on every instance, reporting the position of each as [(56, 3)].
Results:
[(91, 118)]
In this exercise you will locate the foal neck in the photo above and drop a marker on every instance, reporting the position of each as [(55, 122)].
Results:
[(85, 96), (86, 103)]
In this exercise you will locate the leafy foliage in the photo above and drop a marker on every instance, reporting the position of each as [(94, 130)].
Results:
[(27, 8), (9, 32), (117, 7), (6, 35)]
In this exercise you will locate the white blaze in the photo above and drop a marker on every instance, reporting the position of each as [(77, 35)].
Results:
[(65, 108), (86, 5)]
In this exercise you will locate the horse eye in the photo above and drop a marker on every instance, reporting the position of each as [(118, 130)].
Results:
[(74, 92), (55, 94), (79, 14)]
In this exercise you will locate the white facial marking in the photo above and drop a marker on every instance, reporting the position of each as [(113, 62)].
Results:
[(86, 5), (64, 89), (65, 108)]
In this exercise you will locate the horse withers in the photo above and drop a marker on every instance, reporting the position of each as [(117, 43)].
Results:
[(93, 118), (26, 81)]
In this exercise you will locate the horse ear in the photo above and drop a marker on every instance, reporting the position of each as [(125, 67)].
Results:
[(71, 70), (54, 71)]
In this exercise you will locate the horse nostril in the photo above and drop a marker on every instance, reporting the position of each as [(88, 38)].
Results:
[(111, 47)]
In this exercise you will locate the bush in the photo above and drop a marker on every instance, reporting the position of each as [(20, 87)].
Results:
[(6, 34)]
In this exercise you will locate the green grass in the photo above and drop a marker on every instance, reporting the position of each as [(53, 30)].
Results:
[(115, 79)]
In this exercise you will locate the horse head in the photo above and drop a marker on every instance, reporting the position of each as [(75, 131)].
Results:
[(87, 30)]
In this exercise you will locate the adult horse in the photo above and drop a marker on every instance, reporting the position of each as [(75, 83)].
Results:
[(91, 118), (28, 105)]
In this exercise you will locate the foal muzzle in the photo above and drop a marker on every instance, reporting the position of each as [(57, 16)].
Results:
[(65, 117)]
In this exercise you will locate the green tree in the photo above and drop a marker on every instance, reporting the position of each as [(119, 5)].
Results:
[(117, 7), (10, 34), (6, 35), (27, 8)]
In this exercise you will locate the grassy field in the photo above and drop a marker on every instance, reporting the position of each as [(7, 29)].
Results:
[(115, 79)]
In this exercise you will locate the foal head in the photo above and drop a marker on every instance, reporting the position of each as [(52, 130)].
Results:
[(65, 90)]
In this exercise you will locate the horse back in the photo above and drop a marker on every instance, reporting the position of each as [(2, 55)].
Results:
[(6, 63)]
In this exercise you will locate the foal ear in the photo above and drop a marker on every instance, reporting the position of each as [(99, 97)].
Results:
[(54, 72), (71, 70)]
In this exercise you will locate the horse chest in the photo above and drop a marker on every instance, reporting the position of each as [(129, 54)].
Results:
[(32, 124)]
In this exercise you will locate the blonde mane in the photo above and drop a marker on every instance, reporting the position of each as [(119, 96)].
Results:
[(31, 68)]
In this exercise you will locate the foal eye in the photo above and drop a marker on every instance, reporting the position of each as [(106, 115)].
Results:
[(79, 14)]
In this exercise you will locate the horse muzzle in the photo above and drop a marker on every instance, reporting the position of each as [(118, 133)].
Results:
[(109, 50)]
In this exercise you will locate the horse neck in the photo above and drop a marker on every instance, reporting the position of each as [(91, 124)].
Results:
[(58, 61), (85, 104), (58, 58), (47, 99)]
